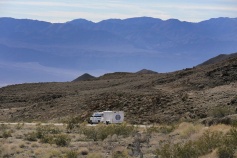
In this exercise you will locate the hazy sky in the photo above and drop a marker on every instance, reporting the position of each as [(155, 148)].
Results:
[(97, 10)]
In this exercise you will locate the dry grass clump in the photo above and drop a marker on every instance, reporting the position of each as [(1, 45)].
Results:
[(220, 127), (8, 150), (185, 129), (71, 154)]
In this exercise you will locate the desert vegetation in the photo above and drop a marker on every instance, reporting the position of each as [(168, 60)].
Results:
[(186, 114), (181, 140)]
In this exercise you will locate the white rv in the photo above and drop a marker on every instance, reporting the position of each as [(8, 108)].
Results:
[(107, 117)]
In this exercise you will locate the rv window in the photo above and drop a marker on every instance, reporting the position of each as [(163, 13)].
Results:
[(97, 115)]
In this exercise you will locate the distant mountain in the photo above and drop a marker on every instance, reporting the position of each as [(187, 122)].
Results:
[(108, 46), (84, 77), (218, 58), (145, 71)]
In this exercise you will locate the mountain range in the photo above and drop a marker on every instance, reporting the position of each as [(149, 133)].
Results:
[(38, 51)]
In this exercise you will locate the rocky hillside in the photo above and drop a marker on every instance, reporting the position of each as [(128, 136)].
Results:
[(219, 58), (188, 94), (84, 77)]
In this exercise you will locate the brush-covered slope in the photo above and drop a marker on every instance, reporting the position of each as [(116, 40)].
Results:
[(146, 98)]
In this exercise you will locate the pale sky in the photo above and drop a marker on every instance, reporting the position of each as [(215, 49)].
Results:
[(97, 10)]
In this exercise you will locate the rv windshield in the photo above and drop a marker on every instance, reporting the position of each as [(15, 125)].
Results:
[(97, 115)]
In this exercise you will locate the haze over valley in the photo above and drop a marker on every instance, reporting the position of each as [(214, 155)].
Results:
[(38, 51)]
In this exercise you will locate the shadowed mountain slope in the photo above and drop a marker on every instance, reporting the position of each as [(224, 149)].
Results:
[(84, 77), (218, 58), (145, 71)]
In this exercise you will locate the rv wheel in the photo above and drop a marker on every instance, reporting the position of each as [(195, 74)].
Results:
[(107, 122)]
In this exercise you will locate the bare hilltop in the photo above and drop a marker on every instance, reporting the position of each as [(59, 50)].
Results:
[(147, 97)]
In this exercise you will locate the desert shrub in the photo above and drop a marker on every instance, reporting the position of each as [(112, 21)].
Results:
[(184, 97), (209, 141), (44, 130), (225, 152), (229, 146), (233, 123), (165, 151), (50, 134), (22, 145), (223, 111), (89, 132), (32, 136), (72, 123), (71, 154), (186, 150), (47, 139), (233, 136), (5, 133), (101, 131), (180, 150), (3, 127), (61, 140), (119, 154), (58, 139), (19, 126), (84, 151), (192, 149)]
